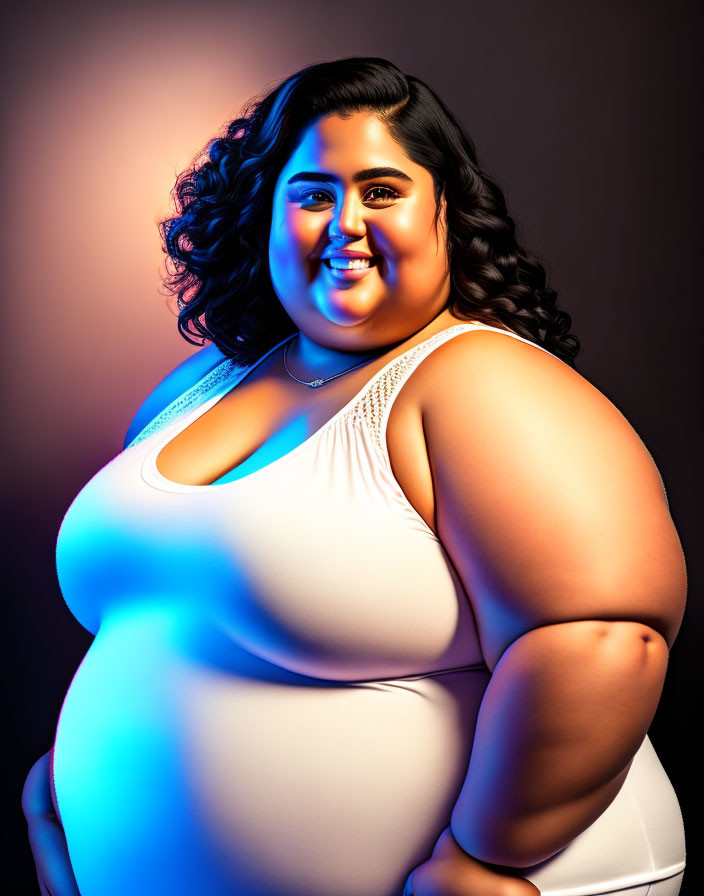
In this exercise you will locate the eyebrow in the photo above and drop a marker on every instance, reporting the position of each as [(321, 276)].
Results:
[(365, 174)]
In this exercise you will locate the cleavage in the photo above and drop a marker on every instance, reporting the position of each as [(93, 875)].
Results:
[(258, 421)]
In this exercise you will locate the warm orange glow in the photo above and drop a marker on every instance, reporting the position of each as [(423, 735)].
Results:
[(105, 112)]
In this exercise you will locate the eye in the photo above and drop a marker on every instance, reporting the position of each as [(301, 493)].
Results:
[(317, 196), (309, 194), (390, 194)]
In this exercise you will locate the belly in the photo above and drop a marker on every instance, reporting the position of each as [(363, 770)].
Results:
[(183, 765)]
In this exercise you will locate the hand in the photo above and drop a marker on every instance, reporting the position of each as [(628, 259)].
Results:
[(46, 835), (450, 871)]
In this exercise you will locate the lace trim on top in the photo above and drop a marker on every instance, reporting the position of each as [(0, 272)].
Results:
[(191, 398), (370, 410), (367, 411)]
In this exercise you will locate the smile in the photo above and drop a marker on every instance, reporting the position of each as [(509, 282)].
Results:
[(345, 264), (349, 268)]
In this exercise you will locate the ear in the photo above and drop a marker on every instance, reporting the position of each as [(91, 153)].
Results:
[(442, 216)]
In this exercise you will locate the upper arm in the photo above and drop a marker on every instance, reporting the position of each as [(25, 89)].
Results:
[(547, 502), (175, 383)]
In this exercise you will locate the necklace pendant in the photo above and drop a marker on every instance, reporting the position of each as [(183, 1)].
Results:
[(316, 383)]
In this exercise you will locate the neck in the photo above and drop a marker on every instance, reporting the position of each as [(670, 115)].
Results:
[(313, 360)]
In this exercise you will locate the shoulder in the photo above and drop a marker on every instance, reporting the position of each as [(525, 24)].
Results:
[(505, 351), (175, 383), (506, 379), (546, 496)]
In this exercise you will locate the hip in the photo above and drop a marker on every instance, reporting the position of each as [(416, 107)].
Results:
[(637, 842)]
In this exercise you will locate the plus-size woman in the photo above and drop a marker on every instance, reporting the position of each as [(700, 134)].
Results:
[(382, 588)]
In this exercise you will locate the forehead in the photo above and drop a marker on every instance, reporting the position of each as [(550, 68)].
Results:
[(360, 141)]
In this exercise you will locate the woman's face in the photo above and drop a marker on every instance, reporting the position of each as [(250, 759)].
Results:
[(329, 199)]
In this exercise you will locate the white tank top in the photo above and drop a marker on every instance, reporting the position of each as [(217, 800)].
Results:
[(281, 695)]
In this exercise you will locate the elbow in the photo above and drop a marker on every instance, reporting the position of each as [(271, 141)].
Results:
[(634, 648), (518, 845)]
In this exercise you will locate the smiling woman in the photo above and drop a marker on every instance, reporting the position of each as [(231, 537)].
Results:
[(382, 589)]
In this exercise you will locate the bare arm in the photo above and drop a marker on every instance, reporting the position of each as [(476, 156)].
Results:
[(565, 711), (555, 518)]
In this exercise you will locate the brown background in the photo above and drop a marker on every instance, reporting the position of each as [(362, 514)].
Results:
[(588, 115)]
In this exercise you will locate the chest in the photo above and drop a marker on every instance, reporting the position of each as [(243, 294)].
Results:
[(263, 420), (315, 563)]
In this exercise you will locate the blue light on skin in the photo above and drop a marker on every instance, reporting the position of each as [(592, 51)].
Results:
[(341, 203), (280, 443)]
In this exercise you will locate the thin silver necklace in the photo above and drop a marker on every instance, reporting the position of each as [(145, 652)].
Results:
[(314, 384)]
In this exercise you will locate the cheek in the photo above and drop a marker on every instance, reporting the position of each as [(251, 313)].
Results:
[(292, 241), (295, 237), (286, 242), (409, 234)]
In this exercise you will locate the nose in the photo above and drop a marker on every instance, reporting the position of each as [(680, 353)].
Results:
[(348, 221)]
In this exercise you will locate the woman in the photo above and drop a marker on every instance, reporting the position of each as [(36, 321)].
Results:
[(382, 589)]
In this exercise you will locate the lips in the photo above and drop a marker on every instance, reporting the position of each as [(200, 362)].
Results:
[(342, 262), (347, 276)]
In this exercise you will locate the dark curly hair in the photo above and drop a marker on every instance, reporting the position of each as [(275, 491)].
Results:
[(218, 242)]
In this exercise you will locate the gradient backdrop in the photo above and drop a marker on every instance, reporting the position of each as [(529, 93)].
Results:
[(587, 114)]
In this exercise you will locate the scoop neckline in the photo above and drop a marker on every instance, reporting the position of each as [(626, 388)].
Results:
[(153, 477)]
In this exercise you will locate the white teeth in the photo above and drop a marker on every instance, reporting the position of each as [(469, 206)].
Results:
[(349, 263)]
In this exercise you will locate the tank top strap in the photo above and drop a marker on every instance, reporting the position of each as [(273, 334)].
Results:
[(217, 381), (373, 409), (374, 405), (226, 373)]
